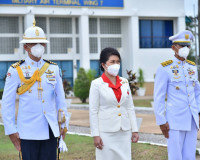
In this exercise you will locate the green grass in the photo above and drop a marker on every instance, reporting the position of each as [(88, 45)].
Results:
[(142, 103), (81, 148)]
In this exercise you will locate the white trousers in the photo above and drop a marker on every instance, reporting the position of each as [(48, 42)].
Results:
[(182, 144), (117, 146)]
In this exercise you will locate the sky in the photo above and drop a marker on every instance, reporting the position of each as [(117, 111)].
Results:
[(189, 10)]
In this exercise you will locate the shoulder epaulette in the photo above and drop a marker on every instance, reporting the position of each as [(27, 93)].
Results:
[(15, 65), (50, 62), (166, 63), (191, 62)]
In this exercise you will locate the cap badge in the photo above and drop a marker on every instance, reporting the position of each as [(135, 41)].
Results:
[(186, 36), (37, 33)]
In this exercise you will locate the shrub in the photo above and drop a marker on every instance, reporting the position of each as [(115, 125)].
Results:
[(1, 93), (91, 74), (82, 85), (141, 78), (132, 83)]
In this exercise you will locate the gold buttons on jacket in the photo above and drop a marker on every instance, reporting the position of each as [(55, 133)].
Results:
[(42, 101), (118, 106), (32, 63), (177, 88), (119, 114), (44, 112), (185, 75), (187, 85), (179, 62), (183, 66), (188, 95)]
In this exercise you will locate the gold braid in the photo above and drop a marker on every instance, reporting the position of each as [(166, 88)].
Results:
[(30, 82)]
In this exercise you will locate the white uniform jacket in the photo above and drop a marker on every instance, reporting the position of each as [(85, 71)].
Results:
[(106, 114), (179, 81), (35, 114)]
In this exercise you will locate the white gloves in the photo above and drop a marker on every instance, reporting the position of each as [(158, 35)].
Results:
[(62, 145)]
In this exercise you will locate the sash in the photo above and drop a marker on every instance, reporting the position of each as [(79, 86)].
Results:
[(28, 83)]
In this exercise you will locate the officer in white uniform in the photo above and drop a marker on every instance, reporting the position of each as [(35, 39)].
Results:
[(39, 86), (179, 118)]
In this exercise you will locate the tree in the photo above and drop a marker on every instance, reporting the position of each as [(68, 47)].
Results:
[(82, 85), (91, 74), (191, 25)]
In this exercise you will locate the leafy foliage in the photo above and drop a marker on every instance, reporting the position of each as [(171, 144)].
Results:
[(141, 78), (82, 85), (132, 82), (91, 74)]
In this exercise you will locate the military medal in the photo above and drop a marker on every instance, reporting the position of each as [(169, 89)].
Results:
[(193, 84), (49, 72), (190, 71), (175, 72), (8, 75), (50, 76)]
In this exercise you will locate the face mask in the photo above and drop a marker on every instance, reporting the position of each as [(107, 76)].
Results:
[(113, 69), (184, 52), (37, 50)]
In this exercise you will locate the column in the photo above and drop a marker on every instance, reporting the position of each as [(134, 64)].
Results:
[(84, 40), (181, 23), (28, 20)]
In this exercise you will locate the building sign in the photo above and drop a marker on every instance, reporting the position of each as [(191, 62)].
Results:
[(68, 3)]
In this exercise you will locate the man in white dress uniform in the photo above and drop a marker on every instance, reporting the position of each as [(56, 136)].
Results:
[(39, 86), (179, 119)]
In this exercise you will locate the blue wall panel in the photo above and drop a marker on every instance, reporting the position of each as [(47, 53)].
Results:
[(4, 66), (67, 70)]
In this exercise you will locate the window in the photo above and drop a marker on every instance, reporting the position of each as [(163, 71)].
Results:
[(104, 32), (9, 34), (155, 33), (66, 67), (60, 32)]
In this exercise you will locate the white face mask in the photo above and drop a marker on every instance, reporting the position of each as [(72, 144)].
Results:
[(113, 69), (37, 50), (184, 52)]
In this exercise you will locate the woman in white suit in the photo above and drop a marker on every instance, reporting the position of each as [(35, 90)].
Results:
[(112, 115)]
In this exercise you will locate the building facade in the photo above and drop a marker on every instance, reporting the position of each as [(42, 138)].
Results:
[(79, 29)]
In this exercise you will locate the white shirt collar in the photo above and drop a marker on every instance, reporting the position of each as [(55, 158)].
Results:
[(33, 63)]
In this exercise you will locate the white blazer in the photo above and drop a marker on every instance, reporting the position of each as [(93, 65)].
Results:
[(106, 113)]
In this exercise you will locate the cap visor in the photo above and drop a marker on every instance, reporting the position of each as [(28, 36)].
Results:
[(183, 43), (34, 41)]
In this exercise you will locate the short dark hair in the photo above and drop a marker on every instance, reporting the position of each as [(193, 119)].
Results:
[(106, 53)]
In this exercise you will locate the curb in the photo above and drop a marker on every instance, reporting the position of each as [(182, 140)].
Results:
[(85, 107)]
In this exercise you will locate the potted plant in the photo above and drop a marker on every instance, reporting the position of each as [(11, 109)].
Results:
[(142, 89)]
